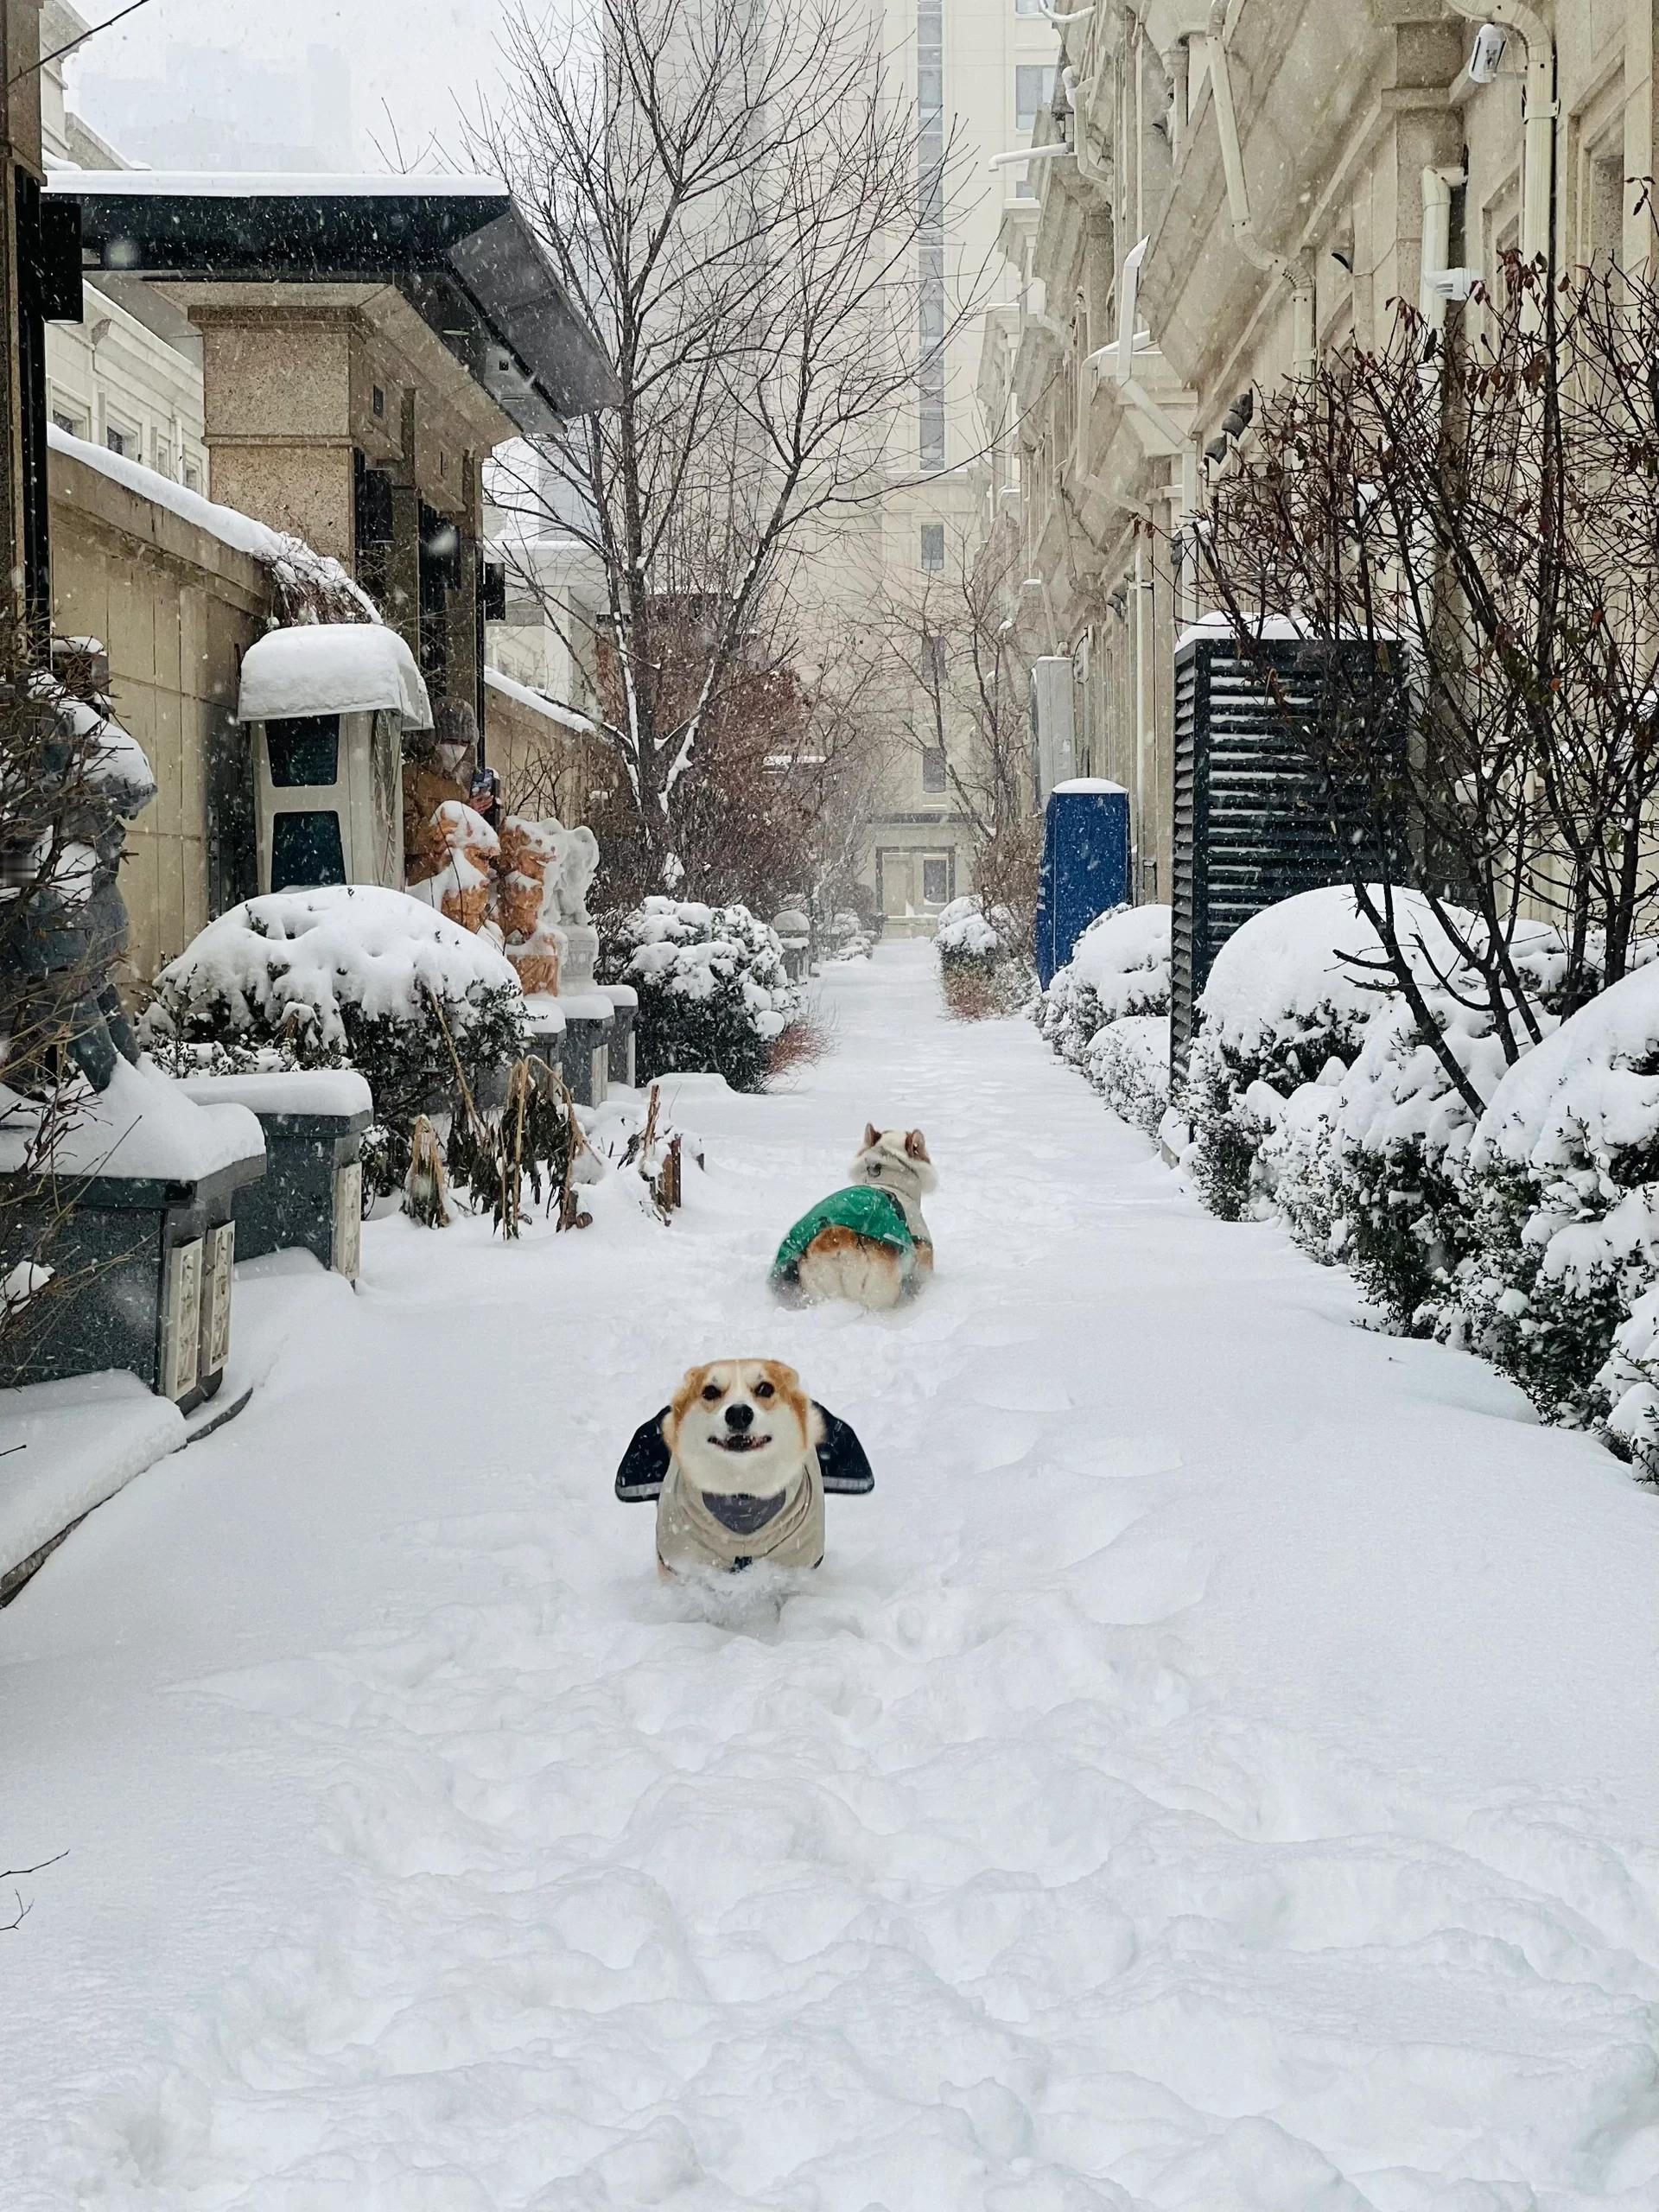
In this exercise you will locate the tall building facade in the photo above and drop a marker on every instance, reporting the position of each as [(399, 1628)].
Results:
[(982, 73)]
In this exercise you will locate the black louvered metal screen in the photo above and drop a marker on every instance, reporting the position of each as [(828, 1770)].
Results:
[(1252, 819)]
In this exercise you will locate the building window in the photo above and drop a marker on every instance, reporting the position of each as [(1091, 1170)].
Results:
[(118, 441), (71, 425), (936, 880), (192, 477), (1030, 7), (1034, 90), (933, 659), (933, 546), (378, 401), (164, 461), (933, 775)]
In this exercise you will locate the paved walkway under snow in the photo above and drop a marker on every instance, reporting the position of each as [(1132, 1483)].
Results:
[(1216, 1771)]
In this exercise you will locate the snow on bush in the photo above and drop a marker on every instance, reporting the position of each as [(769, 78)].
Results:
[(848, 940), (1561, 1182), (713, 993), (983, 969), (349, 975), (970, 933), (1119, 969), (1293, 989), (1128, 1062), (1366, 1166)]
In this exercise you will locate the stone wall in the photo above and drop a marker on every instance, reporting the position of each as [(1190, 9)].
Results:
[(177, 608)]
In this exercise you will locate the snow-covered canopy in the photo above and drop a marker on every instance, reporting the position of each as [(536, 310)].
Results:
[(255, 184), (332, 668)]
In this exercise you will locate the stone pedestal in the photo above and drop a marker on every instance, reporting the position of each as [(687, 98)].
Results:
[(310, 1198), (146, 1270), (625, 1003)]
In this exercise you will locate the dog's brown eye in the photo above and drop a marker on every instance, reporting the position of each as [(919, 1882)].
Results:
[(713, 1391), (764, 1391)]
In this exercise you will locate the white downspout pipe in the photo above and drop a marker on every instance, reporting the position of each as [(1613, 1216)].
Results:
[(1435, 253), (1128, 295), (1538, 111), (1298, 276)]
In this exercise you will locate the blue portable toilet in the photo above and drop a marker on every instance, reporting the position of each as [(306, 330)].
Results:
[(1086, 865)]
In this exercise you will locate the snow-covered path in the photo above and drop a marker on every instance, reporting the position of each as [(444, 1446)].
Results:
[(1216, 1771)]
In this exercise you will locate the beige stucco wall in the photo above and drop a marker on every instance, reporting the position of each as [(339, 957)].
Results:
[(177, 609)]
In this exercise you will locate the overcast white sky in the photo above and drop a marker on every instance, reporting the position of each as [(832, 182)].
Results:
[(417, 56)]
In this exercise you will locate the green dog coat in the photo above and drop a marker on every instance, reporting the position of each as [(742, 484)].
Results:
[(861, 1208)]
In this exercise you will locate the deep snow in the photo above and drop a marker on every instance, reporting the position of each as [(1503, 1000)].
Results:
[(1214, 1772)]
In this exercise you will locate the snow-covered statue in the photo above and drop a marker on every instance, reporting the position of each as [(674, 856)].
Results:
[(540, 904), (94, 778)]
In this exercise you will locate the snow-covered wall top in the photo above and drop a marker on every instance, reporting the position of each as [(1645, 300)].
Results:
[(289, 559), (143, 1127), (336, 668)]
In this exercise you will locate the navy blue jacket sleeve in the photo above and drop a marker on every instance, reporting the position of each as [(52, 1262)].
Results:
[(644, 1464), (841, 1458)]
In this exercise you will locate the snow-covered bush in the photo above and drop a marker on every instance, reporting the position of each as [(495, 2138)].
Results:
[(349, 975), (1119, 969), (713, 993), (983, 970), (1290, 991), (1128, 1062), (1369, 1171), (848, 938), (1561, 1182)]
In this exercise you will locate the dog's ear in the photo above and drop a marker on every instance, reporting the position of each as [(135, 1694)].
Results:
[(916, 1146), (840, 1458), (871, 1136), (646, 1463)]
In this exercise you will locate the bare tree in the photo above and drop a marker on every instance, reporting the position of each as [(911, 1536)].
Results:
[(1480, 512), (964, 681), (739, 196)]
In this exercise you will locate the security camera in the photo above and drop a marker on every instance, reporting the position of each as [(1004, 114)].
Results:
[(1487, 60)]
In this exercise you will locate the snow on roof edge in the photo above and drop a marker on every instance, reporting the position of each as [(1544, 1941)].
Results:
[(276, 184), (537, 702)]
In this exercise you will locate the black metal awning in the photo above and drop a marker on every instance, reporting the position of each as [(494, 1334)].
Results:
[(458, 249)]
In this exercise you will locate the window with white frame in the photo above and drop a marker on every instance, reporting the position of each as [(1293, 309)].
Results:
[(1034, 90), (936, 880)]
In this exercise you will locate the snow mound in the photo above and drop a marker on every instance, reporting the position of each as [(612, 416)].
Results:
[(381, 951), (968, 931), (143, 1127), (1312, 963), (1128, 1062), (1589, 1093), (332, 668), (1123, 957)]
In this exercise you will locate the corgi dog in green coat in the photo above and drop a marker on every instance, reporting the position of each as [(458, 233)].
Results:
[(868, 1242)]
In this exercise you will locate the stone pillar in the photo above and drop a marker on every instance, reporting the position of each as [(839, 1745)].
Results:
[(277, 410), (466, 659), (402, 607)]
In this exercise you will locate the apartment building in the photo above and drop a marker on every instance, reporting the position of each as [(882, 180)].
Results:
[(1241, 185), (982, 74), (128, 376)]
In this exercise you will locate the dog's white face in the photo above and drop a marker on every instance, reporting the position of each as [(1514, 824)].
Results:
[(895, 1159), (742, 1426)]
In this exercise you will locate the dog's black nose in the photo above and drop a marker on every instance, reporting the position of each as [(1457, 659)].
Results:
[(740, 1416)]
